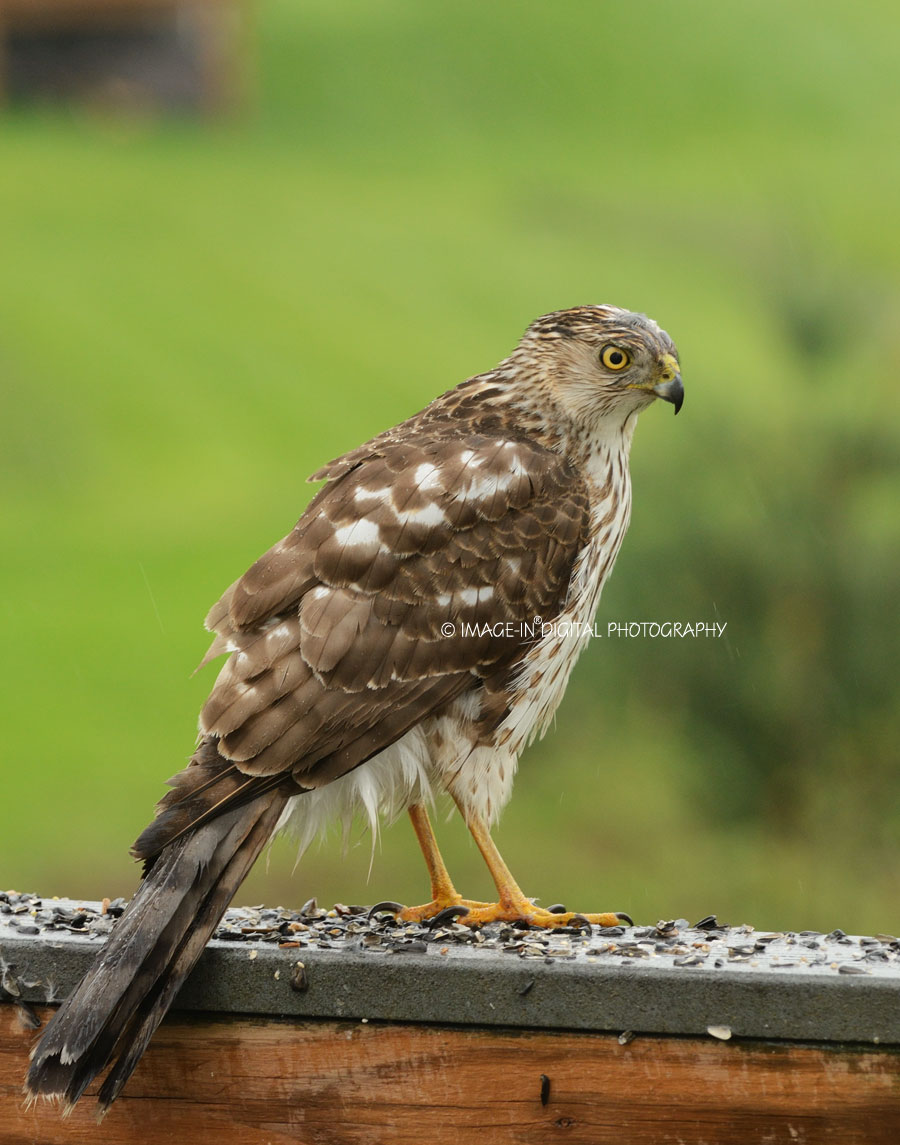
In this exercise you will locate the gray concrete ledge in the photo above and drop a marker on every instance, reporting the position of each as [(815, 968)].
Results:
[(670, 979)]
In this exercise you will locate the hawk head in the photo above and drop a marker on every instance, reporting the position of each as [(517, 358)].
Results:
[(600, 364)]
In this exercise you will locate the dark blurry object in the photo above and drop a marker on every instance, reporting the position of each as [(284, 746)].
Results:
[(169, 55)]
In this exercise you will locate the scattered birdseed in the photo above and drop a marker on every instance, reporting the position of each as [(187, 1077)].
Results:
[(708, 948), (299, 978), (741, 951)]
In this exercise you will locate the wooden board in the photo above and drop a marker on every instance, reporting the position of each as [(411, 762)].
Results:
[(269, 1082)]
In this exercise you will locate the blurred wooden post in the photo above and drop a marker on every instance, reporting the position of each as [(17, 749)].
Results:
[(388, 1036), (136, 54)]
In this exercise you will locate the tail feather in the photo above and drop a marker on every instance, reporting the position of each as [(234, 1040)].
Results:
[(154, 946), (154, 1008)]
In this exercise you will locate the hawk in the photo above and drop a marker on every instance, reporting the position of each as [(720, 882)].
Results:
[(411, 635)]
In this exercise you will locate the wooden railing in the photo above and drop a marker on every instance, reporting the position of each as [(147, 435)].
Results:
[(332, 1027)]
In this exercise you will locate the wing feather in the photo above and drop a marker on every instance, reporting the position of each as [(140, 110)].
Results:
[(339, 634)]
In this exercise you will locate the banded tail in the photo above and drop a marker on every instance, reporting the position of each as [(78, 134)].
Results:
[(112, 1013)]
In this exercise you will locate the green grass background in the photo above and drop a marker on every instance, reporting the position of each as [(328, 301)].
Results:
[(194, 316)]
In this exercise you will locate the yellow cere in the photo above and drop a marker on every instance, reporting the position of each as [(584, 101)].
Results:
[(670, 367)]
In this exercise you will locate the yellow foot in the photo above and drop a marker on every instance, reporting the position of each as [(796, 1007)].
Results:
[(457, 909), (516, 910)]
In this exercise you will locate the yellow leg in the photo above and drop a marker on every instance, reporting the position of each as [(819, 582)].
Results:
[(443, 893), (442, 888), (512, 905)]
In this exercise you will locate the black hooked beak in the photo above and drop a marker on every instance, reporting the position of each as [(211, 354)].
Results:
[(671, 391)]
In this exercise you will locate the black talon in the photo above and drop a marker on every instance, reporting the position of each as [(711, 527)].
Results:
[(580, 922), (620, 914), (389, 907), (557, 908), (448, 914)]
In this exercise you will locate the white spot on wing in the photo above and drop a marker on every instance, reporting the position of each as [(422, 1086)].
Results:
[(481, 488), (363, 533), (361, 493), (430, 514), (427, 476), (471, 596)]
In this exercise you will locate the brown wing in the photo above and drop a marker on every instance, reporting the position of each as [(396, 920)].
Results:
[(406, 582)]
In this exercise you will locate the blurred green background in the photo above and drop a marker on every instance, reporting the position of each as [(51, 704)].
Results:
[(194, 315)]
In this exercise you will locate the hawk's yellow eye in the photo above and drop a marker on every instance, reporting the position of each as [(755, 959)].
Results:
[(614, 357)]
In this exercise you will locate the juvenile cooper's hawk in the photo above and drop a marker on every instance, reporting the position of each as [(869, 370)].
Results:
[(387, 648)]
